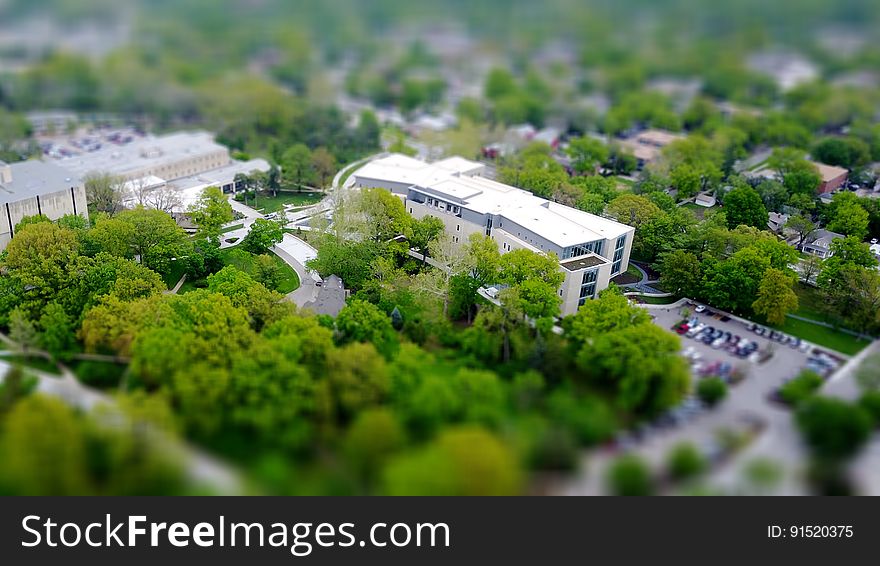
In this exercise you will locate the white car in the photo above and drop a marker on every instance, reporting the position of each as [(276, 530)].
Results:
[(700, 308)]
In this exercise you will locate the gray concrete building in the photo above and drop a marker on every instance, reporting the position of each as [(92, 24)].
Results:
[(35, 187)]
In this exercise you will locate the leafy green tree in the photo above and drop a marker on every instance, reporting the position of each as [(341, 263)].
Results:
[(211, 211), (799, 176), (686, 179), (587, 154), (484, 258), (850, 219), (150, 236), (360, 321), (802, 226), (853, 295), (633, 210), (843, 152), (711, 390), (803, 387), (681, 272), (592, 203), (40, 259), (588, 419), (499, 83), (806, 203), (629, 476), (374, 437), (833, 429), (296, 164), (640, 365), (462, 461), (267, 271), (262, 236), (350, 261), (609, 312), (621, 161), (57, 336), (324, 165), (357, 379), (423, 232), (775, 296), (104, 192), (743, 206), (382, 215), (732, 284), (87, 457), (773, 194)]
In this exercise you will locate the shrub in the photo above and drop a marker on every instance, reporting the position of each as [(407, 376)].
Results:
[(800, 388), (712, 390), (629, 475), (685, 462)]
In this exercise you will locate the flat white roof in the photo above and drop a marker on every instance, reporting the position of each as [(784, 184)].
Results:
[(151, 151), (560, 224)]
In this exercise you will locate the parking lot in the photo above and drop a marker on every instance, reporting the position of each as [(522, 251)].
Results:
[(737, 351), (747, 411)]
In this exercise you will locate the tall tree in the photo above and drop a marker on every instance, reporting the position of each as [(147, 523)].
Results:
[(743, 206), (775, 296), (324, 165), (423, 232), (802, 226), (210, 212), (262, 236), (296, 163), (105, 192), (587, 154)]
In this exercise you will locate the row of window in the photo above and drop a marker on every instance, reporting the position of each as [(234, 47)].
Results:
[(583, 249), (618, 255), (442, 205)]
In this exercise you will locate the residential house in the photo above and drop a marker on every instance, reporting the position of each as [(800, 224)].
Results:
[(819, 243)]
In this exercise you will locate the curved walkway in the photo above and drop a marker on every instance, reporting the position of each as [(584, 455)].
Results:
[(644, 285)]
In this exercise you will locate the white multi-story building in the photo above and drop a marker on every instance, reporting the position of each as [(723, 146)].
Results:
[(591, 249), (33, 187)]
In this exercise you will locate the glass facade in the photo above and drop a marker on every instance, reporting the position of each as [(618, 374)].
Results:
[(583, 249), (588, 286), (618, 255)]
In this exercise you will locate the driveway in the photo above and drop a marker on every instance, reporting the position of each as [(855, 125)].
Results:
[(296, 253)]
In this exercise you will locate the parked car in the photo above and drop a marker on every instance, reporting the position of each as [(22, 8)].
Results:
[(700, 308)]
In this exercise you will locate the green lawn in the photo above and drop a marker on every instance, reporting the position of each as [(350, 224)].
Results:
[(289, 278), (656, 300), (810, 302), (231, 228), (173, 276), (267, 203), (823, 336), (243, 261)]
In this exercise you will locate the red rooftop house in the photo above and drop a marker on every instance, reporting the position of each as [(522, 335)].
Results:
[(832, 177)]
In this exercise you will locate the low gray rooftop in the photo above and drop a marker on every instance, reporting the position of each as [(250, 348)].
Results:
[(33, 178)]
